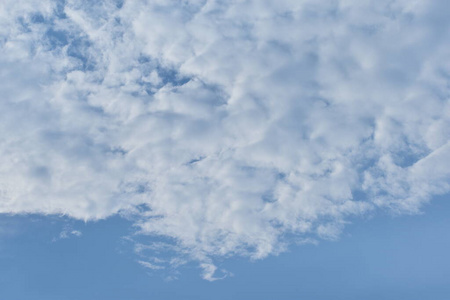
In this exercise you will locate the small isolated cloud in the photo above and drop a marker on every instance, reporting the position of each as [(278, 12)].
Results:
[(209, 271), (76, 233), (150, 265), (67, 233), (226, 127)]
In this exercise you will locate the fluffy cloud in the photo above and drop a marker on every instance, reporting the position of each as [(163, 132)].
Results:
[(226, 127)]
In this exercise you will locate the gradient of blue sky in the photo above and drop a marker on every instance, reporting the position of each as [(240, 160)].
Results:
[(201, 135)]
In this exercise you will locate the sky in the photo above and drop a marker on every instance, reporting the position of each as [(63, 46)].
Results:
[(206, 148), (385, 257)]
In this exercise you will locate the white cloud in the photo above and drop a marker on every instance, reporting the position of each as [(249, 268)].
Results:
[(240, 126), (67, 233), (149, 265)]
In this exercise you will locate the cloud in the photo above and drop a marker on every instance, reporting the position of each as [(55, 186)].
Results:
[(150, 265), (66, 233), (229, 128)]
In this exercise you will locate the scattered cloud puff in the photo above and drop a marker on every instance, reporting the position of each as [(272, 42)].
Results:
[(65, 234), (225, 127)]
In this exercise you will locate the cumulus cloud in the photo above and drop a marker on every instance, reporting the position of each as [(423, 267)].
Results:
[(226, 127)]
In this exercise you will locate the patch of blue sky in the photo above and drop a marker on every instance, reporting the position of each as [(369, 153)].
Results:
[(380, 258)]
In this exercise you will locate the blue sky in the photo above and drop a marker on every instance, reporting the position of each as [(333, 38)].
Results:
[(209, 145), (383, 258)]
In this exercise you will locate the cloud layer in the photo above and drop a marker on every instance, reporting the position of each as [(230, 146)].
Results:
[(227, 127)]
